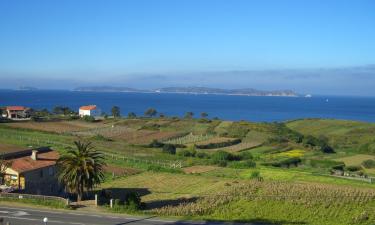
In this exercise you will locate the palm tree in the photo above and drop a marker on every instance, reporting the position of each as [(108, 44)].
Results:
[(81, 169)]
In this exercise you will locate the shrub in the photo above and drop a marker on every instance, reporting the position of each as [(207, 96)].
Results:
[(353, 168), (88, 118), (246, 155), (170, 149), (155, 144), (255, 175), (295, 161), (369, 164), (202, 155), (222, 163), (130, 202), (219, 144), (223, 156), (243, 164), (187, 153)]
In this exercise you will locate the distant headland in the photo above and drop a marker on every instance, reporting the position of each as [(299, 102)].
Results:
[(193, 90)]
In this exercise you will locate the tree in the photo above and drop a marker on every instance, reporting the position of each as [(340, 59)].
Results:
[(116, 111), (62, 110), (170, 149), (81, 169), (204, 114), (4, 164), (189, 115), (151, 112), (132, 115)]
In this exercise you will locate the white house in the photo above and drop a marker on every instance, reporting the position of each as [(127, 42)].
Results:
[(89, 110)]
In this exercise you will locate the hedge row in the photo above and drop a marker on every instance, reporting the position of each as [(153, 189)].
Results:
[(219, 144)]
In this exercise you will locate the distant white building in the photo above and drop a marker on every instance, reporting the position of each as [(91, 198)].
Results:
[(89, 110)]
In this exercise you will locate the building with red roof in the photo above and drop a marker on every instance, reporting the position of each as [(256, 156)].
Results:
[(89, 110), (17, 112), (32, 171)]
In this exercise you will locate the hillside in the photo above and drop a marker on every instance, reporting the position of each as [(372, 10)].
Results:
[(224, 170)]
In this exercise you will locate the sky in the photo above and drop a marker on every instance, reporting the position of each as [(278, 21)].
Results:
[(310, 46)]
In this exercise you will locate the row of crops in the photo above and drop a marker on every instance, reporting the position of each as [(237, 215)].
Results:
[(295, 203)]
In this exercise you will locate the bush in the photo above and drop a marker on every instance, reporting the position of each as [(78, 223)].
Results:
[(295, 161), (155, 144), (243, 164), (223, 156), (202, 155), (219, 144), (187, 153), (222, 163), (130, 202), (255, 175), (88, 118), (246, 155), (170, 149), (369, 164), (353, 168)]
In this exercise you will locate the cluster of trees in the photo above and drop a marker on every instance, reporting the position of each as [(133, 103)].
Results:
[(285, 134), (151, 112), (321, 142)]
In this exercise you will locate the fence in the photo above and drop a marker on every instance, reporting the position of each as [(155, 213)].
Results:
[(162, 163), (43, 198)]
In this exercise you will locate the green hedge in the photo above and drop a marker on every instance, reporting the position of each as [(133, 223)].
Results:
[(219, 144)]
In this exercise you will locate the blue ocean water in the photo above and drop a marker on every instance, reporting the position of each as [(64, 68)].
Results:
[(266, 109)]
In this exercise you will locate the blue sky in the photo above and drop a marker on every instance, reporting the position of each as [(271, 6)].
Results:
[(314, 46)]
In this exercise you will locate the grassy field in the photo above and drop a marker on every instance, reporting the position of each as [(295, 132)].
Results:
[(202, 183)]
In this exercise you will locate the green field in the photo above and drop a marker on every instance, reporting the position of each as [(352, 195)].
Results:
[(277, 174)]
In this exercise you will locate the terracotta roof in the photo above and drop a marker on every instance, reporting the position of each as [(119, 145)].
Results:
[(16, 108), (26, 163), (88, 107)]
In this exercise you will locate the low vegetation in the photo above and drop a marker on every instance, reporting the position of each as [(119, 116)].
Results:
[(221, 170)]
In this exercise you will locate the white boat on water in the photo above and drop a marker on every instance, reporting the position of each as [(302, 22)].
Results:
[(308, 96)]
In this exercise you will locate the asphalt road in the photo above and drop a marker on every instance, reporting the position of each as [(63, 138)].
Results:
[(26, 216)]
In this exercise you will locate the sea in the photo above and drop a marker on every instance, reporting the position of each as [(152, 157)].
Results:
[(227, 107)]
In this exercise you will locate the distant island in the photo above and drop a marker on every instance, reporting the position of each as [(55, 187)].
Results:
[(193, 90), (27, 88)]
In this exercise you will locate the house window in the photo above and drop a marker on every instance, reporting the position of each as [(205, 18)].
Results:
[(50, 171)]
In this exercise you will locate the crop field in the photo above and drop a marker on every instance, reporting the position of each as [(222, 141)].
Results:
[(129, 135), (355, 160), (166, 186), (198, 169), (281, 202), (205, 189), (56, 127), (190, 139)]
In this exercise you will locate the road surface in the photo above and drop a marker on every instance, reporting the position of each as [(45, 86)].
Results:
[(26, 216)]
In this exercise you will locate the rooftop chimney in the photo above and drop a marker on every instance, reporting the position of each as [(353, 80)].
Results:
[(34, 155)]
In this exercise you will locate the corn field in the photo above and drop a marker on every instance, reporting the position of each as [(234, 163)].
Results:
[(275, 201)]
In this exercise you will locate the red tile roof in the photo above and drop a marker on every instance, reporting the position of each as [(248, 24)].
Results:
[(88, 107), (26, 163), (16, 108)]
